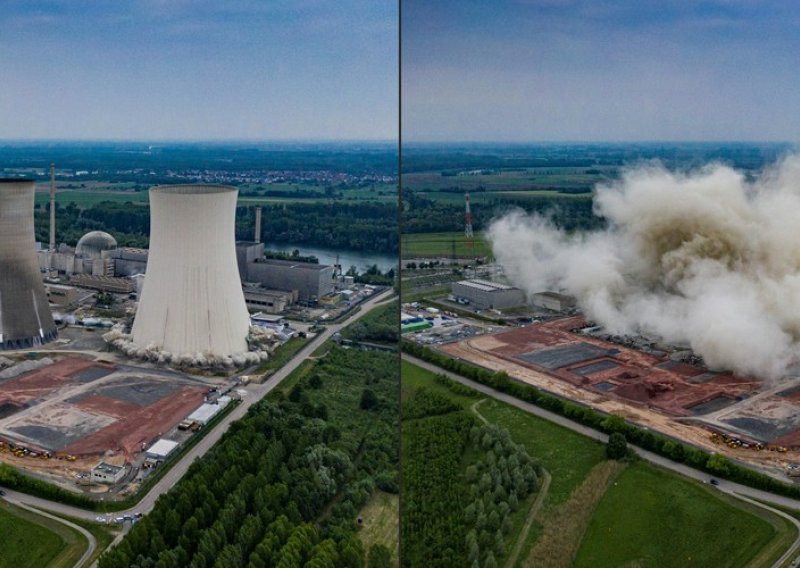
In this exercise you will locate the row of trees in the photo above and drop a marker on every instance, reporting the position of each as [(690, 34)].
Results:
[(498, 483), (433, 523)]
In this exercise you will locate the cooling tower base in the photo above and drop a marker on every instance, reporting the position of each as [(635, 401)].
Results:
[(124, 343), (29, 342)]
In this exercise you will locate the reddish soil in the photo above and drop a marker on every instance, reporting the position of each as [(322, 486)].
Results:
[(637, 377), (37, 384), (141, 426), (790, 440), (108, 406)]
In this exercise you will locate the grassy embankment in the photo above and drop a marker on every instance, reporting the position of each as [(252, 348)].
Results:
[(30, 540)]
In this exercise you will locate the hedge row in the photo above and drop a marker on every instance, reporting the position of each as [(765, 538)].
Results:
[(712, 463), (13, 479)]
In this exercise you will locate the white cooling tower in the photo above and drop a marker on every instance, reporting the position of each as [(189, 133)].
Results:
[(192, 300), (25, 318)]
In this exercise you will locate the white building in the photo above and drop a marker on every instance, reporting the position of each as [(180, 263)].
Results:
[(161, 449), (485, 294), (107, 473)]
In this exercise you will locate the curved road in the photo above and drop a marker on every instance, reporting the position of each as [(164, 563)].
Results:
[(178, 470), (89, 536), (743, 492)]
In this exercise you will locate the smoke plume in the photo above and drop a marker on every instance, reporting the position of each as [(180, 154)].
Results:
[(707, 259)]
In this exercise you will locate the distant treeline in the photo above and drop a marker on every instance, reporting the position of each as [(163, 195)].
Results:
[(365, 227), (424, 215), (453, 157), (357, 159), (359, 226)]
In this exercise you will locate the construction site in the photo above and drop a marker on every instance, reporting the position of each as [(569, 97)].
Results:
[(664, 388), (61, 414)]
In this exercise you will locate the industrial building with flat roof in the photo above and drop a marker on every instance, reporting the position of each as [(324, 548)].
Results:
[(107, 473), (310, 280), (485, 294), (552, 301), (161, 449)]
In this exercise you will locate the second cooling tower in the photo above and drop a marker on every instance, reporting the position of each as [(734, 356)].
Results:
[(192, 300), (25, 319)]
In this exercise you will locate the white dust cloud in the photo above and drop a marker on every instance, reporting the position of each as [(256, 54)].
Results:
[(707, 259)]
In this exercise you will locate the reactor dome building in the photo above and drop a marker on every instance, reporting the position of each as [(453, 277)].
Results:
[(25, 318), (93, 244), (192, 305)]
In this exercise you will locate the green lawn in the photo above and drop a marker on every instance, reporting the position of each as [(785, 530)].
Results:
[(29, 540), (441, 244), (651, 517)]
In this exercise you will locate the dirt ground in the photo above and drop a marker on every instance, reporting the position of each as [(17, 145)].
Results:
[(483, 351)]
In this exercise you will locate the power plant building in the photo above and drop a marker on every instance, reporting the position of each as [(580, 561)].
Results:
[(485, 294), (309, 280), (552, 301), (192, 300), (25, 318)]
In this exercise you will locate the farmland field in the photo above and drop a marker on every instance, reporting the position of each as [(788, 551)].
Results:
[(441, 244)]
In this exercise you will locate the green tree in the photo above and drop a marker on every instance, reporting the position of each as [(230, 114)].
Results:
[(369, 400), (617, 447)]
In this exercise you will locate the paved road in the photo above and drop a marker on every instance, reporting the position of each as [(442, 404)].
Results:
[(178, 470), (735, 489)]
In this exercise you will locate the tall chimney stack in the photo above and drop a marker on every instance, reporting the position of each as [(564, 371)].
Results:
[(258, 226), (52, 207)]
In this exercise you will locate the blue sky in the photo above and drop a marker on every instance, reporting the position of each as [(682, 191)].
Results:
[(199, 69), (563, 70)]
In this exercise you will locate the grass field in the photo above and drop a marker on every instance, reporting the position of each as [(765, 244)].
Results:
[(671, 521), (380, 516), (415, 245), (648, 516), (29, 540)]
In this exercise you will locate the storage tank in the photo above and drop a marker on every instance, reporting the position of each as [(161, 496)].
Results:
[(192, 300), (25, 318)]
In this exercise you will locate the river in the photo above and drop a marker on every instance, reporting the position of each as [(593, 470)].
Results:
[(347, 258)]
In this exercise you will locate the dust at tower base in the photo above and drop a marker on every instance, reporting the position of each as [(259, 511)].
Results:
[(192, 300), (25, 318)]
